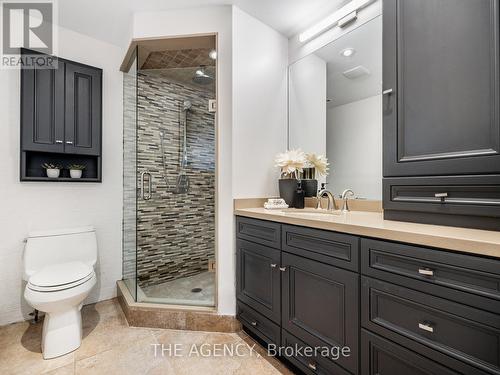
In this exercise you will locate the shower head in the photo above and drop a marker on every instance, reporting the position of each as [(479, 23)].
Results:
[(201, 77), (186, 105)]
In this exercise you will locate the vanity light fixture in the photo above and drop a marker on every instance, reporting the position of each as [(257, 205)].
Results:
[(213, 54), (347, 52), (340, 18)]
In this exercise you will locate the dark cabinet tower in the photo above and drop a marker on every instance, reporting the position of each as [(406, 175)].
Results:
[(441, 112), (61, 114)]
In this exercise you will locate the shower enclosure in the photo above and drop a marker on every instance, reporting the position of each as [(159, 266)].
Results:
[(169, 171)]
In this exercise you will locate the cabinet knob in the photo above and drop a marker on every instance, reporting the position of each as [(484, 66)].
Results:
[(69, 142), (426, 272), (253, 323), (312, 366), (273, 265), (282, 269), (387, 92), (426, 327), (59, 141)]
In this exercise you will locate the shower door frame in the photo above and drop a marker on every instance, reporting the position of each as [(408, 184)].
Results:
[(128, 60)]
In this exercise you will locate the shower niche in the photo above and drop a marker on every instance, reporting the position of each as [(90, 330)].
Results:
[(170, 171)]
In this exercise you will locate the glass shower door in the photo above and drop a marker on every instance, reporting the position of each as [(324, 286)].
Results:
[(129, 237)]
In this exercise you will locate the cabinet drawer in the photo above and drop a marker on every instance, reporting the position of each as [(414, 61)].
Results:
[(467, 201), (258, 324), (327, 247), (382, 357), (462, 332), (258, 278), (307, 362), (260, 231), (471, 278)]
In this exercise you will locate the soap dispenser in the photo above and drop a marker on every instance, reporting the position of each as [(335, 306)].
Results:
[(299, 196)]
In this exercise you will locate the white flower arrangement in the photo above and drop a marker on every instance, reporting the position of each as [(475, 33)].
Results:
[(291, 163), (318, 162)]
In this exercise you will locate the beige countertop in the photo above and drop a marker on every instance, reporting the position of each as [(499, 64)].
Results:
[(372, 224)]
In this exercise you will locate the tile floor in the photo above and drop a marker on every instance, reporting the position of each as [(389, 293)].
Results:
[(110, 347), (178, 292)]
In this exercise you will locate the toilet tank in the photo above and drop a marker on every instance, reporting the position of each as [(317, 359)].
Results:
[(49, 247)]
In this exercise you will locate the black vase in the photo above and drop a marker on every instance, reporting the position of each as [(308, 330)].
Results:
[(310, 187), (288, 187)]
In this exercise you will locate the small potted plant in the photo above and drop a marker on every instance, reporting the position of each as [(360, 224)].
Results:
[(76, 170), (291, 164), (53, 170), (316, 165)]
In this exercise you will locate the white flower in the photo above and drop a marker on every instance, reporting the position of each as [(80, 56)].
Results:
[(319, 162), (291, 162)]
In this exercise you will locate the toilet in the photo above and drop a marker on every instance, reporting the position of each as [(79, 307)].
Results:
[(59, 270)]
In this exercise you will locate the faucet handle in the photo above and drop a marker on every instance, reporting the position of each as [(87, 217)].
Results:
[(345, 204)]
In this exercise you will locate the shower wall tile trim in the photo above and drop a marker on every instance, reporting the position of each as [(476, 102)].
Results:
[(175, 232)]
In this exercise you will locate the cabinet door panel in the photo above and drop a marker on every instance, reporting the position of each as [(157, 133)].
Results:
[(443, 115), (42, 109), (83, 110), (320, 305), (258, 278)]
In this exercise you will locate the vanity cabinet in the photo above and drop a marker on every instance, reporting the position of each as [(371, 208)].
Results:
[(400, 308), (61, 118), (441, 112)]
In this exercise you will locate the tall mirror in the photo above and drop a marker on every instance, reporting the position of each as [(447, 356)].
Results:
[(335, 109)]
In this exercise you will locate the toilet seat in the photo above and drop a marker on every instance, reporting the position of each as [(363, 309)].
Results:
[(60, 276)]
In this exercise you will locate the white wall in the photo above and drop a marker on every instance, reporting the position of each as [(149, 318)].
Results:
[(260, 59), (30, 206), (354, 147), (307, 110), (216, 19)]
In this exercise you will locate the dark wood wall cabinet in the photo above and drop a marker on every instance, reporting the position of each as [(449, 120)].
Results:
[(61, 119), (441, 112), (400, 308)]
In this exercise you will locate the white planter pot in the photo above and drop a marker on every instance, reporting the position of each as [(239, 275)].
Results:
[(53, 173), (75, 173)]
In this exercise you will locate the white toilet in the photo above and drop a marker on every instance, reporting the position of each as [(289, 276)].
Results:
[(59, 269)]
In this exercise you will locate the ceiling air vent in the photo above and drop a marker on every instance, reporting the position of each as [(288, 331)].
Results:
[(357, 72)]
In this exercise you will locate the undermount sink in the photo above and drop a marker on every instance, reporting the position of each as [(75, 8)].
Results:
[(311, 212)]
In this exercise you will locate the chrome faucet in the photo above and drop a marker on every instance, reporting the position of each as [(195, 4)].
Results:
[(331, 200), (345, 194)]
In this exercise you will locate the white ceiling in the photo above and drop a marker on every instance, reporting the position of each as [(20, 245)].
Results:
[(367, 41), (110, 20)]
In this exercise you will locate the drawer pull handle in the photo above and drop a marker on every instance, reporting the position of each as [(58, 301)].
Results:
[(254, 324), (312, 366), (426, 327), (282, 269), (273, 265), (426, 272), (58, 141), (441, 196)]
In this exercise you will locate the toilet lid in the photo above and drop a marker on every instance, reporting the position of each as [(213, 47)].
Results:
[(61, 276)]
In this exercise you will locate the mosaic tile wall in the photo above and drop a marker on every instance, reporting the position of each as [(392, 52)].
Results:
[(175, 232)]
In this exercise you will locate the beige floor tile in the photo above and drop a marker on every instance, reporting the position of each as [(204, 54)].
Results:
[(111, 347), (127, 358)]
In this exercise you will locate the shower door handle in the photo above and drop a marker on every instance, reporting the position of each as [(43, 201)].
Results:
[(146, 195)]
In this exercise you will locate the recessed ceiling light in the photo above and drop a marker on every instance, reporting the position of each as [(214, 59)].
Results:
[(348, 52), (213, 54)]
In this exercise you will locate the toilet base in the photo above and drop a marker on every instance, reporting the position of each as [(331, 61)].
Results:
[(62, 332)]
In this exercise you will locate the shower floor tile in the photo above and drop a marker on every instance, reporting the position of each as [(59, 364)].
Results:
[(180, 291)]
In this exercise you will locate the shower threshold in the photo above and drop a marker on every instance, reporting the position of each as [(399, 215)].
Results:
[(182, 291)]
